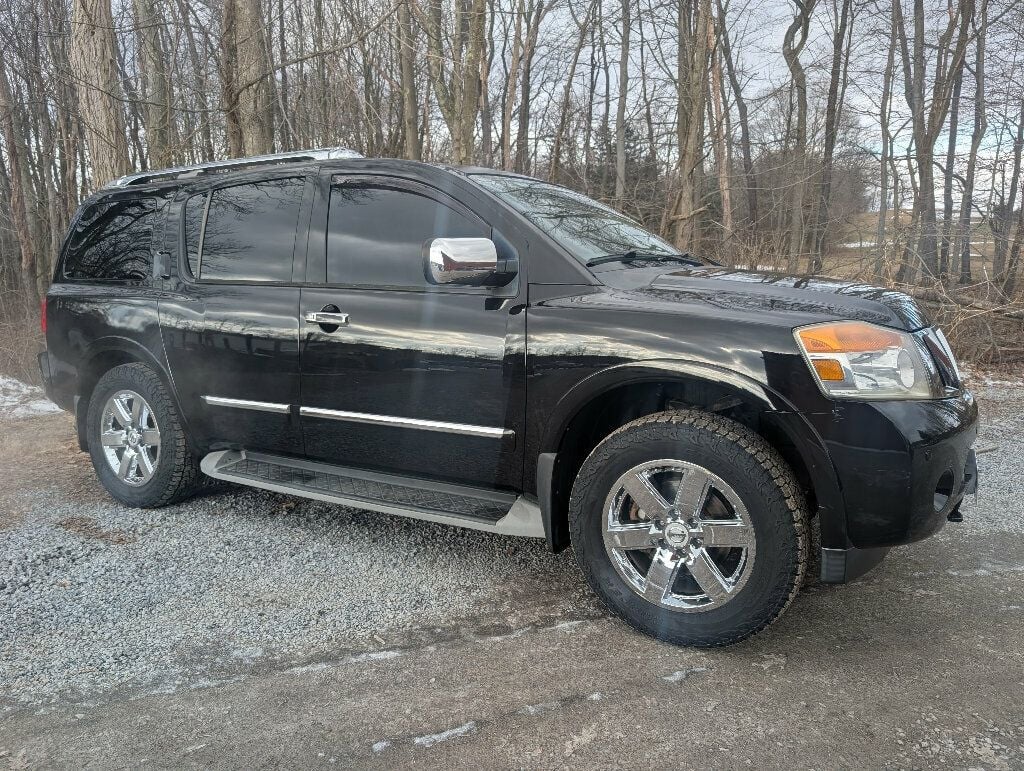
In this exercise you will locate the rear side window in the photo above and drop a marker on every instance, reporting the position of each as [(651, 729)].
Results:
[(112, 241), (376, 231), (195, 207), (249, 233)]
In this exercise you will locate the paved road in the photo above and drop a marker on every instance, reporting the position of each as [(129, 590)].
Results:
[(247, 630)]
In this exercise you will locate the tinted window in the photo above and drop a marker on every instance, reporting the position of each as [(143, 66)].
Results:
[(193, 230), (376, 232), (112, 241), (250, 231)]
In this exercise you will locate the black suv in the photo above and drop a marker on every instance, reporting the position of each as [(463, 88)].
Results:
[(487, 350)]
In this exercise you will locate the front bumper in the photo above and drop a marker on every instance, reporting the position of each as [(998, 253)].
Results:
[(903, 468)]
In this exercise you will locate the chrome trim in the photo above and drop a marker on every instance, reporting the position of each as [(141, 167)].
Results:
[(663, 528), (390, 420), (245, 404), (326, 318)]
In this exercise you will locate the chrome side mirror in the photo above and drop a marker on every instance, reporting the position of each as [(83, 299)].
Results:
[(463, 262)]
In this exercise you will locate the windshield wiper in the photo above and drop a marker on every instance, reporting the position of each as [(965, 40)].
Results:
[(634, 255)]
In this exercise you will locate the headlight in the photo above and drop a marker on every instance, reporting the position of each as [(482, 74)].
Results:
[(856, 360)]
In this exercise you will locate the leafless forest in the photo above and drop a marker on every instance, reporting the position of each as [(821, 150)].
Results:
[(876, 140)]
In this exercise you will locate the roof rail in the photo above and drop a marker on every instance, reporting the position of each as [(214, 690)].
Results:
[(233, 164)]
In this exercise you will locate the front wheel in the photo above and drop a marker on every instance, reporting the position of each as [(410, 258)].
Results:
[(690, 527), (136, 440)]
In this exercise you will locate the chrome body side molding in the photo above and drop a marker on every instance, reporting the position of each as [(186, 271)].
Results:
[(245, 404), (465, 429)]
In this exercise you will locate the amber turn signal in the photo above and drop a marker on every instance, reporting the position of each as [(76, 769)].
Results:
[(847, 337), (828, 369)]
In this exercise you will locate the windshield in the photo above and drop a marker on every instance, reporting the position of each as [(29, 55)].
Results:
[(585, 228)]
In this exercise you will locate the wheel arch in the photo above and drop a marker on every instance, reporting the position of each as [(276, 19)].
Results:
[(99, 358), (617, 395)]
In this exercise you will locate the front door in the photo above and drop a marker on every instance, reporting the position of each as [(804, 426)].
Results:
[(231, 328), (410, 378)]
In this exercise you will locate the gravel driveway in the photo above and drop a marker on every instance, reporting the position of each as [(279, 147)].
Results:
[(247, 628)]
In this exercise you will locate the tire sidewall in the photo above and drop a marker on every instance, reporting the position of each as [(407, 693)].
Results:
[(131, 377), (777, 540)]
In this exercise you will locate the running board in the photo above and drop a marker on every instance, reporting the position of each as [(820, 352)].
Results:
[(475, 508)]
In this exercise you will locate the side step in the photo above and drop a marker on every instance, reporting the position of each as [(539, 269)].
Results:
[(471, 507)]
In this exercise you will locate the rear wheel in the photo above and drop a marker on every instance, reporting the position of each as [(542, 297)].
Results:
[(690, 527), (136, 440)]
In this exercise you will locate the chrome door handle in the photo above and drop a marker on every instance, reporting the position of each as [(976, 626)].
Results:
[(327, 318)]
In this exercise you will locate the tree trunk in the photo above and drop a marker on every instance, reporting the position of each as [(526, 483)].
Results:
[(793, 43), (563, 114), (252, 78), (977, 134), (885, 158), (511, 87), (750, 182), (156, 102), (535, 14), (833, 113), (620, 107), (17, 157), (94, 59), (722, 161), (691, 84), (228, 64), (948, 174)]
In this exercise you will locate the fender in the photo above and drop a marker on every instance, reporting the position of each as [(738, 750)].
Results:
[(775, 409), (132, 349)]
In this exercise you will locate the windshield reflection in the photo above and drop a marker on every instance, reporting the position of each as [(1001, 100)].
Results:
[(584, 227)]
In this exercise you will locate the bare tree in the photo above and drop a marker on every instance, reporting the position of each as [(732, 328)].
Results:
[(100, 97)]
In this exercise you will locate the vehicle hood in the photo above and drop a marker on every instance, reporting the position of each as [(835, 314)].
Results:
[(799, 298)]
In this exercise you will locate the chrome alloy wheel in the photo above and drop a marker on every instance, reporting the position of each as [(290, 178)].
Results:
[(678, 535), (130, 437)]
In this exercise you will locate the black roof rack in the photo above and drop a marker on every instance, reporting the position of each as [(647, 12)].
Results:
[(233, 164)]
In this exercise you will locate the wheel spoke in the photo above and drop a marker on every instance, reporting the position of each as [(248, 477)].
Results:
[(144, 416), (124, 417), (706, 573), (125, 466), (629, 536), (662, 574), (646, 497), (693, 492), (151, 437), (145, 465), (726, 532), (137, 411), (114, 438)]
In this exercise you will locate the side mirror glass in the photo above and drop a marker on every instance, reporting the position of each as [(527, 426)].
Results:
[(464, 262)]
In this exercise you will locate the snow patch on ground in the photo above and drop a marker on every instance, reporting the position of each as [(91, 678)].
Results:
[(431, 739), (18, 400)]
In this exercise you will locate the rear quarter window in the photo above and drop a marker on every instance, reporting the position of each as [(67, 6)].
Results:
[(112, 241)]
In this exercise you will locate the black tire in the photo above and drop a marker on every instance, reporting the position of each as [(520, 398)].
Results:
[(176, 475), (763, 483)]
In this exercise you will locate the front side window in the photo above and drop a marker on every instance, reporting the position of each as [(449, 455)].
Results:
[(376, 231), (112, 241), (582, 226), (249, 233)]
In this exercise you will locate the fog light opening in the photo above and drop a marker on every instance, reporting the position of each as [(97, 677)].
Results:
[(943, 491)]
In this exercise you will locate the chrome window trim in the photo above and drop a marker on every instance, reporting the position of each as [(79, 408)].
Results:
[(465, 429), (245, 404)]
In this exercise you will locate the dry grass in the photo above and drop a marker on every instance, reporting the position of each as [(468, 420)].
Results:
[(20, 341)]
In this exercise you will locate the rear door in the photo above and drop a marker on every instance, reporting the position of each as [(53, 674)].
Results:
[(421, 380), (231, 330)]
